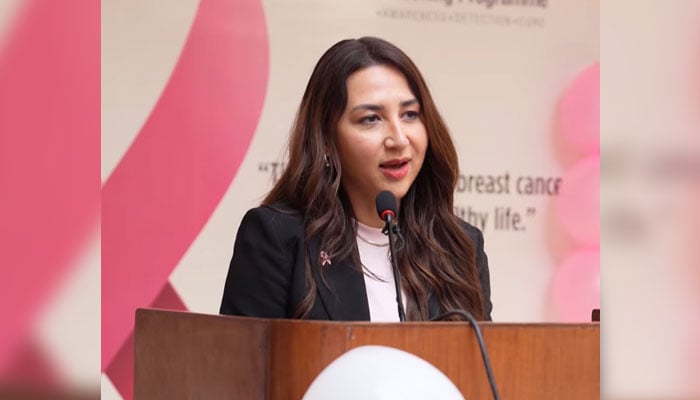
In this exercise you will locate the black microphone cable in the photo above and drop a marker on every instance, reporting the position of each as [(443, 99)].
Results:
[(482, 346)]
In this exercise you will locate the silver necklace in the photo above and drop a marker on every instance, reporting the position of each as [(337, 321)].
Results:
[(371, 242)]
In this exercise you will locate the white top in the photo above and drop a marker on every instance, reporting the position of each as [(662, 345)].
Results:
[(375, 256)]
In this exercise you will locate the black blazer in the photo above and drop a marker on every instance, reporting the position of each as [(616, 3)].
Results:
[(266, 277)]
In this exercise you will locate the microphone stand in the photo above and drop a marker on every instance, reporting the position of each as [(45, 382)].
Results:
[(389, 230)]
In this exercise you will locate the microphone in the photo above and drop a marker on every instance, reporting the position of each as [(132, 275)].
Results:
[(386, 205), (387, 209), (484, 356)]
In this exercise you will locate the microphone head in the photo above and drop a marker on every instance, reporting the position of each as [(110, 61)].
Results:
[(386, 205)]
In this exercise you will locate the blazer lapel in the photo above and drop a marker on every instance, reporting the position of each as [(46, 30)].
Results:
[(342, 287)]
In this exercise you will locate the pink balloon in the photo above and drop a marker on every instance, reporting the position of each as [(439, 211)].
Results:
[(579, 111), (578, 203), (576, 288)]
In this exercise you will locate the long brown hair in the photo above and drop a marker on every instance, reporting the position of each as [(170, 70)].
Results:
[(437, 257)]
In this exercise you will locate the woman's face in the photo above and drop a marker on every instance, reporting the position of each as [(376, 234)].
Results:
[(381, 138)]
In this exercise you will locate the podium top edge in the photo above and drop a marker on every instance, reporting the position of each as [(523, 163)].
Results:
[(483, 324)]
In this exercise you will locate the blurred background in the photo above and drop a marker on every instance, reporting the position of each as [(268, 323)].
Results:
[(50, 207), (135, 134), (650, 182)]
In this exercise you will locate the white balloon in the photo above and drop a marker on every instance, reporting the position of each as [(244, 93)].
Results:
[(381, 373)]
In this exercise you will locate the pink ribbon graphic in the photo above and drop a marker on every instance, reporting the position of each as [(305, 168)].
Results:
[(177, 170), (49, 161)]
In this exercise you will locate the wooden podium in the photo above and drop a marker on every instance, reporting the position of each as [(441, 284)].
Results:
[(181, 355)]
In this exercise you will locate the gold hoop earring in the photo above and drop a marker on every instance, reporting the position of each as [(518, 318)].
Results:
[(326, 161)]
